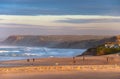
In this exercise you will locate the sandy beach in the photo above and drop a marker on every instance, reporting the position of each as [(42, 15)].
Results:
[(63, 75), (88, 60), (41, 72), (92, 67)]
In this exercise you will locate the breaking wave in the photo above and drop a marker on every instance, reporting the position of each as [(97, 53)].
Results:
[(14, 52)]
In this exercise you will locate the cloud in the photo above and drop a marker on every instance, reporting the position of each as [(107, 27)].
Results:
[(19, 25), (40, 27), (59, 24), (26, 26), (1, 19), (55, 20), (75, 21)]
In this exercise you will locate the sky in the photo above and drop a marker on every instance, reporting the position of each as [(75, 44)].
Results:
[(59, 17)]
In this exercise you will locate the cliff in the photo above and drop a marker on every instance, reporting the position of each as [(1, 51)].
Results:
[(58, 41), (100, 50), (111, 47)]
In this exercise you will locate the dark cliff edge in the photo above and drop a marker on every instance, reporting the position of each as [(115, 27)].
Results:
[(58, 41), (101, 49)]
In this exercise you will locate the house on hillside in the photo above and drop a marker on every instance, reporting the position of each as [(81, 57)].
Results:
[(112, 45), (115, 44)]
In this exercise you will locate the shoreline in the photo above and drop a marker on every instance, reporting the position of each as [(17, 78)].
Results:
[(53, 61)]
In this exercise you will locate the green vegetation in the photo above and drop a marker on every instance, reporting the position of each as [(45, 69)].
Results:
[(102, 50)]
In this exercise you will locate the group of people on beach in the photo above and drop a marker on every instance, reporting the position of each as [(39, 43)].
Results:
[(28, 60), (108, 59), (74, 59)]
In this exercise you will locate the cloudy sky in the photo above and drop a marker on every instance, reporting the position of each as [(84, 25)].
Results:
[(68, 17)]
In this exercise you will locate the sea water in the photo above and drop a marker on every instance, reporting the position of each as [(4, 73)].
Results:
[(22, 52)]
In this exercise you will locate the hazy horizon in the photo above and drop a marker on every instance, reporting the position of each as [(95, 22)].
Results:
[(5, 37)]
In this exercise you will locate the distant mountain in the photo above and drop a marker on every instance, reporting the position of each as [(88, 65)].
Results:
[(58, 41)]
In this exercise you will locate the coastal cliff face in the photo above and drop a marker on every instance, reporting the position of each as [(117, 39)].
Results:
[(110, 47), (58, 41), (100, 50)]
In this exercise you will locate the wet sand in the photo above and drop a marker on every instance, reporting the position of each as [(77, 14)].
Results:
[(88, 60), (63, 75)]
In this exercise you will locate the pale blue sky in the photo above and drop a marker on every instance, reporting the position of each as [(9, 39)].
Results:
[(60, 7)]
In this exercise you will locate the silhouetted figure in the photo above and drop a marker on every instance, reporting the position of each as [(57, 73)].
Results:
[(107, 59), (28, 60), (74, 61), (33, 60), (111, 60), (83, 58), (73, 58)]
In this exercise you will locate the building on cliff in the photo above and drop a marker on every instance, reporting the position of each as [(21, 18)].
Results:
[(115, 44)]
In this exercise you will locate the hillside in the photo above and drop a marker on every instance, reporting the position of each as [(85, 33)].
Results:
[(58, 41), (101, 50), (111, 47)]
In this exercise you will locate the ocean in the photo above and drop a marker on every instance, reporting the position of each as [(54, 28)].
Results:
[(23, 52)]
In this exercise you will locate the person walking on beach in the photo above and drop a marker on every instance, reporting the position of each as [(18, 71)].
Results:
[(33, 59), (74, 61), (83, 58), (108, 59), (28, 60)]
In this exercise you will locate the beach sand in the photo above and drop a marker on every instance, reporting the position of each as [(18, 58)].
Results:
[(93, 67), (89, 60), (63, 75)]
